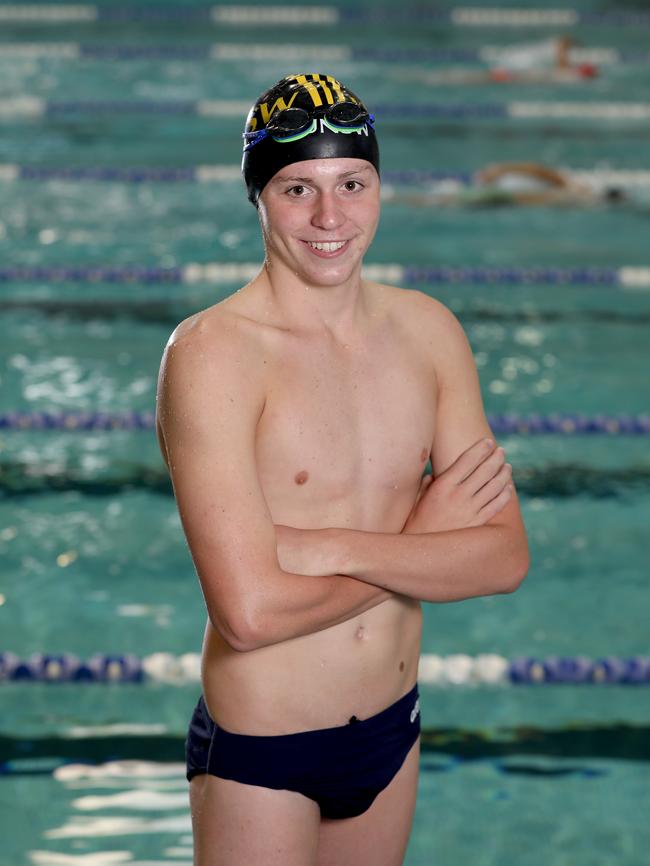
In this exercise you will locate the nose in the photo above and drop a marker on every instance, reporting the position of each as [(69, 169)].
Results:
[(328, 213)]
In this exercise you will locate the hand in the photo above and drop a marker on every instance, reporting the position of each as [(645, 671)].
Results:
[(475, 488)]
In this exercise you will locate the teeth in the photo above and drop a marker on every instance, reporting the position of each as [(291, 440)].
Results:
[(327, 246)]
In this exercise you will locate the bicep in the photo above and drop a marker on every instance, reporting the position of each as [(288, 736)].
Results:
[(208, 417), (460, 415)]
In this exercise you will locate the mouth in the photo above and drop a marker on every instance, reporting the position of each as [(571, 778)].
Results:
[(327, 249)]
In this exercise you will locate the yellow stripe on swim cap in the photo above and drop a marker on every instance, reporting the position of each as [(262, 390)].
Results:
[(311, 89), (328, 93), (336, 87)]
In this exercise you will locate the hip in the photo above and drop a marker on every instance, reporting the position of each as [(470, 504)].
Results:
[(318, 680)]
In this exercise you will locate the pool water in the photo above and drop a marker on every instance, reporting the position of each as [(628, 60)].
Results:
[(93, 555)]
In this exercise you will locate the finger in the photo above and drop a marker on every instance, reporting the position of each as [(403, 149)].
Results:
[(486, 471), (495, 505), (482, 493), (469, 460)]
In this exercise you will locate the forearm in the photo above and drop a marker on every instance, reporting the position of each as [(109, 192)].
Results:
[(296, 605), (431, 566)]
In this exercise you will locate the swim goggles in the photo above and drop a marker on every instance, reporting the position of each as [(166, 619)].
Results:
[(292, 124)]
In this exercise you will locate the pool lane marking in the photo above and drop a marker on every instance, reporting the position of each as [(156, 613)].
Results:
[(235, 15), (222, 52), (259, 51), (632, 277), (49, 14), (457, 669), (318, 15), (280, 15), (469, 16), (232, 173), (29, 106)]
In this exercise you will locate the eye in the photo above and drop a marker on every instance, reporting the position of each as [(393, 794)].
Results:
[(352, 185), (296, 191)]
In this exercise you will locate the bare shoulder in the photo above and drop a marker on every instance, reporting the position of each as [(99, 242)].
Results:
[(217, 339), (425, 318), (212, 361)]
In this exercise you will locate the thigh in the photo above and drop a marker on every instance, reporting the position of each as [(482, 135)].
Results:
[(239, 825), (380, 835)]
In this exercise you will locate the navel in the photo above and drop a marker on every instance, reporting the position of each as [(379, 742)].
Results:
[(301, 477), (401, 666)]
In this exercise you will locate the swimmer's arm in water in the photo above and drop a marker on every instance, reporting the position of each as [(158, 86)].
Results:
[(533, 169), (446, 565), (211, 394)]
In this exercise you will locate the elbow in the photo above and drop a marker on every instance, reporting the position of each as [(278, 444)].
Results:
[(235, 629), (517, 572)]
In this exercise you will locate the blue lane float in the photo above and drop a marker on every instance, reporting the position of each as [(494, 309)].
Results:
[(598, 178), (111, 174), (211, 174), (66, 667), (222, 273), (503, 425), (317, 52), (330, 15), (91, 274), (614, 111), (454, 670), (236, 52)]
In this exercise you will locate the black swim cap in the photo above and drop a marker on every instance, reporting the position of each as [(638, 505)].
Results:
[(331, 122)]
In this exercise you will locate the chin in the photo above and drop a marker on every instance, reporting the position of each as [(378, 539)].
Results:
[(328, 276)]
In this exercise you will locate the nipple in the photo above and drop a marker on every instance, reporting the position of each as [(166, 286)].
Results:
[(301, 476)]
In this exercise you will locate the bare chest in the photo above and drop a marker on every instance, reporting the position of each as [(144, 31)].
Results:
[(343, 429)]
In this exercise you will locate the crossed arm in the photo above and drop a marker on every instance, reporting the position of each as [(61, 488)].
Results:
[(464, 537), (450, 548), (254, 596)]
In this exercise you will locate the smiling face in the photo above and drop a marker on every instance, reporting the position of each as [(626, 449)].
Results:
[(319, 217)]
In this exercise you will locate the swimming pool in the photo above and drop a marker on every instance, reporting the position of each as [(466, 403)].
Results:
[(93, 555)]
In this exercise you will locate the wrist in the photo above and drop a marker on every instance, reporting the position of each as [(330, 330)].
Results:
[(335, 551)]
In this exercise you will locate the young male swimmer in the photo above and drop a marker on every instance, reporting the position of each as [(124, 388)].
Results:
[(296, 418)]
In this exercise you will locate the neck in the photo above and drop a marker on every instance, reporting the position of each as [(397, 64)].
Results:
[(337, 308)]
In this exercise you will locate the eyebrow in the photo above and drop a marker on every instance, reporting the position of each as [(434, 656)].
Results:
[(284, 178)]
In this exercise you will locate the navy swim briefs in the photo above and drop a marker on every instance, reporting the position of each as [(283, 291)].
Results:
[(342, 768)]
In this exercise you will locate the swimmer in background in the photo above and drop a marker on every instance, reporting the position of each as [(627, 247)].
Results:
[(532, 65), (546, 62), (523, 184), (296, 418)]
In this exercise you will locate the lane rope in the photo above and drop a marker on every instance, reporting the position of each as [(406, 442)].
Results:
[(12, 172), (220, 273), (501, 424), (33, 106), (277, 15), (487, 669), (318, 52)]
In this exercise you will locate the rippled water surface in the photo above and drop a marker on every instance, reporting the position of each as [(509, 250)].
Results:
[(93, 555)]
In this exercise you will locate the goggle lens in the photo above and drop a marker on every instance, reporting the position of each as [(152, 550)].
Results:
[(290, 124), (347, 113)]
